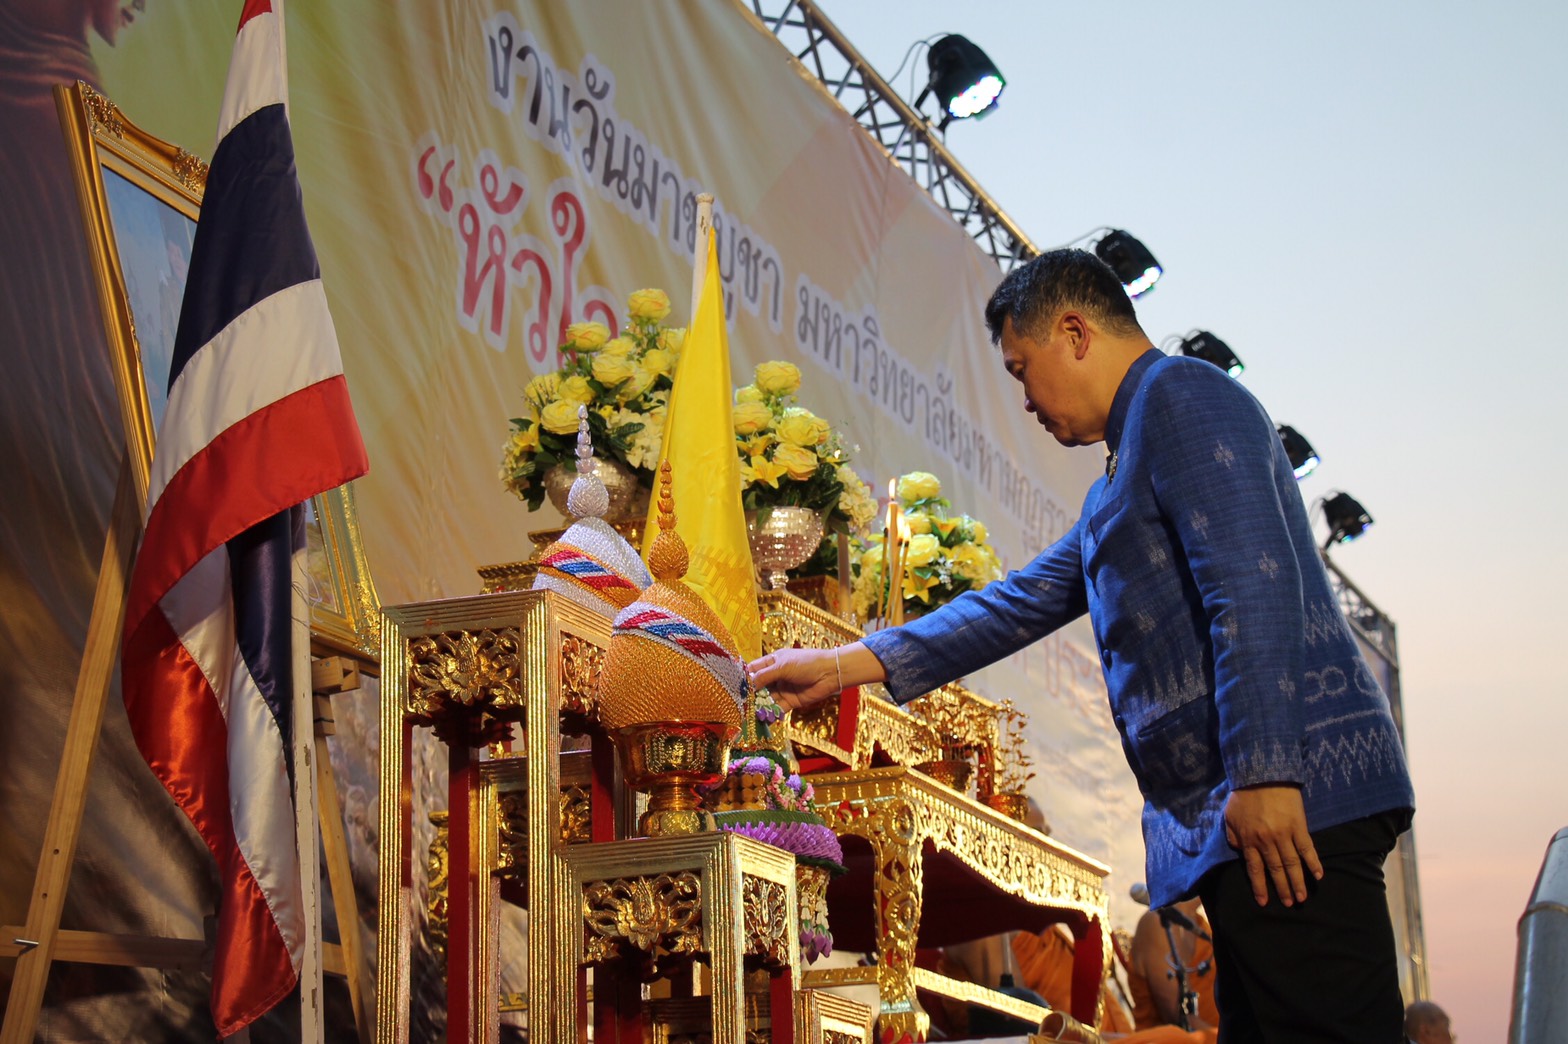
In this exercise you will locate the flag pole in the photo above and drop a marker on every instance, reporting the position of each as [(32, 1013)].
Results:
[(306, 805), (699, 268)]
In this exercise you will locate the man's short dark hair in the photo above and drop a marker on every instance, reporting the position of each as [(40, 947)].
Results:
[(1037, 291), (1422, 1015)]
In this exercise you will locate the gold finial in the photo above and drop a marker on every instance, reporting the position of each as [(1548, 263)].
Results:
[(668, 558)]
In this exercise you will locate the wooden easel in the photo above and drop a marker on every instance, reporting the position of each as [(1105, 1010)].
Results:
[(40, 942)]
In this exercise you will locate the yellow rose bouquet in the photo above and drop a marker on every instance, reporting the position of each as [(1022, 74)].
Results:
[(946, 554), (624, 381), (790, 457)]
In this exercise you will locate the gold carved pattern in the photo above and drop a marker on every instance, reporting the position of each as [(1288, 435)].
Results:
[(890, 800), (576, 815), (788, 621), (436, 871), (191, 170), (835, 1037), (660, 915), (582, 665), (968, 727), (511, 811), (905, 739), (103, 112), (468, 684), (891, 827), (768, 920)]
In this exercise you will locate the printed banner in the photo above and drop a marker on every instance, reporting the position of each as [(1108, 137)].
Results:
[(481, 173)]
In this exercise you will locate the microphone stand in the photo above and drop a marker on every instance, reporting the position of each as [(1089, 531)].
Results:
[(1189, 997)]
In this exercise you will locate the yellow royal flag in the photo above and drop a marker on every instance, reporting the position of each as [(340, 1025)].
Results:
[(699, 443)]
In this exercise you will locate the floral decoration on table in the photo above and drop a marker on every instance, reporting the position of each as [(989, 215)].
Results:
[(763, 797), (944, 555), (790, 457), (624, 381)]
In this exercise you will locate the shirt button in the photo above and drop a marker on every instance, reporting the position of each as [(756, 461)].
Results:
[(1105, 657)]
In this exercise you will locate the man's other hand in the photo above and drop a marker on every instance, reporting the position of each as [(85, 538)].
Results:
[(1268, 825)]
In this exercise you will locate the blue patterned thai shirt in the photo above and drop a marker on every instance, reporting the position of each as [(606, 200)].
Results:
[(1226, 657)]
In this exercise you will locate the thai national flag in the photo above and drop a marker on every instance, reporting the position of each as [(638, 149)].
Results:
[(258, 421)]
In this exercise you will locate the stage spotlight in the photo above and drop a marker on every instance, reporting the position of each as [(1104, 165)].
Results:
[(966, 82), (1132, 262), (1200, 344), (1303, 458), (1346, 518)]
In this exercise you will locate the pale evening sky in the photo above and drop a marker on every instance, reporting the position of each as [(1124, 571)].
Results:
[(1366, 201)]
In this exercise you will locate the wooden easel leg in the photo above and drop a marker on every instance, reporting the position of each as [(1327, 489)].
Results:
[(70, 788), (340, 877)]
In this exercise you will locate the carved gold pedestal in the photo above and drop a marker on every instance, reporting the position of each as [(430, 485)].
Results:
[(474, 669), (651, 904), (994, 874)]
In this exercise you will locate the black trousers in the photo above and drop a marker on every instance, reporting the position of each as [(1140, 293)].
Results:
[(1321, 971)]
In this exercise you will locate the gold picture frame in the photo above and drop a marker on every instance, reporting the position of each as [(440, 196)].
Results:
[(140, 197)]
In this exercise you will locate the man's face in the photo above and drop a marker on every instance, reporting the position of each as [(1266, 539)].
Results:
[(1055, 382), (1440, 1032)]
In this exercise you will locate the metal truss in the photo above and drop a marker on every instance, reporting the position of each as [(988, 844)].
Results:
[(1366, 618), (906, 136)]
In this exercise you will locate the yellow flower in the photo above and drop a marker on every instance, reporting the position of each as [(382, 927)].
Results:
[(945, 526), (977, 530), (778, 378), (756, 445), (750, 393), (636, 384), (673, 339), (971, 562), (918, 485), (918, 522), (658, 361), (575, 390), (751, 417), (525, 441), (622, 346), (585, 337), (917, 586), (923, 548), (610, 370), (543, 389), (648, 304), (762, 470), (803, 428), (560, 417), (871, 558), (800, 462), (855, 501)]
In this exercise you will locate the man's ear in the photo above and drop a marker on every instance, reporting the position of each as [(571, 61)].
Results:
[(1077, 331)]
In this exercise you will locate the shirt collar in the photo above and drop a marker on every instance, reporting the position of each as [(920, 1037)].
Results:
[(1124, 394)]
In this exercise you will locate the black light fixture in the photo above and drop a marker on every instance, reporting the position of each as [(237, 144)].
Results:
[(1303, 458), (1200, 344), (1132, 262), (964, 79), (1346, 518)]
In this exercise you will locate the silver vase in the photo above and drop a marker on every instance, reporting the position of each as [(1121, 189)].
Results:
[(628, 498), (784, 541)]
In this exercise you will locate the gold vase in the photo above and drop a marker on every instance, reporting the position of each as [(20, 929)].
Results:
[(952, 773), (669, 761), (781, 541), (628, 497), (1013, 806)]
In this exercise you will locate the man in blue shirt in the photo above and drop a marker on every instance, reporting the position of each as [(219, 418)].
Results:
[(1264, 749)]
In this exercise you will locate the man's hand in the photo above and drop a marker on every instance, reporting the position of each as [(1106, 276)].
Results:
[(797, 678), (1268, 825)]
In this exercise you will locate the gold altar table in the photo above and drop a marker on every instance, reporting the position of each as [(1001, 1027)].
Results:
[(909, 839)]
